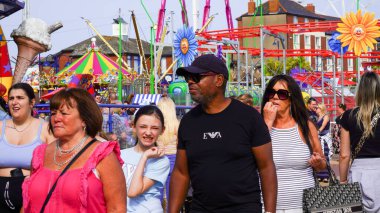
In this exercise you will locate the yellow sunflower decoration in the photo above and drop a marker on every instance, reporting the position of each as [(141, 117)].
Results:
[(359, 32)]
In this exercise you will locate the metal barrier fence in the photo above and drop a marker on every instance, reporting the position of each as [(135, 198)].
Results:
[(44, 108)]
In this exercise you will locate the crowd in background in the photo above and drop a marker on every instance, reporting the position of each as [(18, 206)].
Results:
[(159, 149)]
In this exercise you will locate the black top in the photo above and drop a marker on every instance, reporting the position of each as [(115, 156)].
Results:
[(338, 119), (222, 168), (371, 147), (324, 130), (313, 116)]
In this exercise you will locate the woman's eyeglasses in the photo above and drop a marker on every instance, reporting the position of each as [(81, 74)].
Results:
[(281, 93), (197, 77)]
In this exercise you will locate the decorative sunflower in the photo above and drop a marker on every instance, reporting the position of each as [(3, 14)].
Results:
[(185, 45), (359, 32)]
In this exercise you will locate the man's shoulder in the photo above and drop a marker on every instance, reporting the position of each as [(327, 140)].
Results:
[(350, 114), (195, 111)]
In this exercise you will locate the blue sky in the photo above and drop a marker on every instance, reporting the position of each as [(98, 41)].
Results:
[(101, 14)]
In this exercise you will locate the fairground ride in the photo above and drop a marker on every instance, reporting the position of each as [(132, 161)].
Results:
[(161, 32), (330, 90)]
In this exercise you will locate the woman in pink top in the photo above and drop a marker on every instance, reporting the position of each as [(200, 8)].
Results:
[(95, 181)]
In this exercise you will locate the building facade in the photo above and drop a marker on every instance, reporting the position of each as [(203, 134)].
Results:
[(283, 12)]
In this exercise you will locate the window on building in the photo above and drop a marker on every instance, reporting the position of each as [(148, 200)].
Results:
[(318, 43), (136, 64), (327, 43), (307, 42), (296, 41), (306, 20), (295, 19), (318, 63), (339, 65), (308, 59), (163, 65), (329, 65), (129, 60), (350, 64)]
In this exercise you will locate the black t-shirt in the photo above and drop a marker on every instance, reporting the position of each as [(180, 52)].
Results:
[(338, 119), (371, 147), (313, 116), (222, 168)]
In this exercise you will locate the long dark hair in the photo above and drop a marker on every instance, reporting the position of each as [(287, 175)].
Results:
[(27, 89), (298, 108), (149, 110)]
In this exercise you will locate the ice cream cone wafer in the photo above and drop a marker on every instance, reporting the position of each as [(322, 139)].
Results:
[(27, 51)]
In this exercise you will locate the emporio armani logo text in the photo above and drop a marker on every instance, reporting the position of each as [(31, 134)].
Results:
[(211, 135)]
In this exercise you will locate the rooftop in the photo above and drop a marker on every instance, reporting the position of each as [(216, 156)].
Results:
[(128, 47), (292, 8)]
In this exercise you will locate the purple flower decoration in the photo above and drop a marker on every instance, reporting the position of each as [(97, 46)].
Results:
[(335, 44)]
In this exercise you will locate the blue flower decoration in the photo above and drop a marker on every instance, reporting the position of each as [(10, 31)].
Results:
[(335, 44), (185, 45)]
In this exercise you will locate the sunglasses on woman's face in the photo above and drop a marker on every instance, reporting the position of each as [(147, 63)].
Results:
[(197, 77), (281, 94)]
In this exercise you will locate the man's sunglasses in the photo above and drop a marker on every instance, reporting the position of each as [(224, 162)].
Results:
[(281, 93), (197, 77)]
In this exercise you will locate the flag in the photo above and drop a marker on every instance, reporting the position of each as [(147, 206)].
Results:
[(5, 64)]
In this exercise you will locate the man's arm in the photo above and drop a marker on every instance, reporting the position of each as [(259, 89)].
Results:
[(179, 182), (268, 177)]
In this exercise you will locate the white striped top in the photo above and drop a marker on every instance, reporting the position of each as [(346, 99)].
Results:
[(294, 174)]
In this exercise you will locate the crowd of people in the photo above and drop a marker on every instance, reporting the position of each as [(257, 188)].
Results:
[(233, 157)]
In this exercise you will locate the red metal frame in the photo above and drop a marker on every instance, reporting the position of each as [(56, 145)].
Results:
[(254, 31), (311, 78)]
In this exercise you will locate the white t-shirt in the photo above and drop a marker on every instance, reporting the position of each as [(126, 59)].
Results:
[(156, 169)]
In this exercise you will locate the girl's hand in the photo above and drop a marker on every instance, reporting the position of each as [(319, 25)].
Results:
[(154, 152), (315, 160)]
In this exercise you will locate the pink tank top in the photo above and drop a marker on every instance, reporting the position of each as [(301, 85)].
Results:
[(78, 190)]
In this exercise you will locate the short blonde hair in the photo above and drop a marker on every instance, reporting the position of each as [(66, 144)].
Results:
[(322, 106)]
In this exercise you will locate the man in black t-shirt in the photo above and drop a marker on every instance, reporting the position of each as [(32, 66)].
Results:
[(311, 109), (223, 148), (341, 109)]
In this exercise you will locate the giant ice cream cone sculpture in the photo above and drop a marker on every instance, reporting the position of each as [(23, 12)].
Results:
[(32, 37)]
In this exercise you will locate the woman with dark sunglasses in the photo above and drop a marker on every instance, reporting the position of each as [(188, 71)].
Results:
[(296, 147)]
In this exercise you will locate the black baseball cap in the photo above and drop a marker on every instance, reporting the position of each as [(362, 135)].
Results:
[(203, 64)]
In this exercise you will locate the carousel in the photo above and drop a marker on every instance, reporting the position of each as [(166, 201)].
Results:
[(94, 71)]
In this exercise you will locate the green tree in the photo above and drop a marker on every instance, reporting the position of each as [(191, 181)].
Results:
[(300, 62), (273, 67)]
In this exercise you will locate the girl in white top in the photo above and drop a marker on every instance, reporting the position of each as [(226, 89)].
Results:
[(145, 166)]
